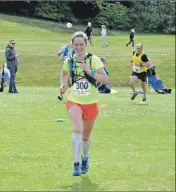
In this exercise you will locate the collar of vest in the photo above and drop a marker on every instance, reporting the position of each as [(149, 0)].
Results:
[(139, 54)]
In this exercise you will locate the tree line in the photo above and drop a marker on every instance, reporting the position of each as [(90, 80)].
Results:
[(144, 16)]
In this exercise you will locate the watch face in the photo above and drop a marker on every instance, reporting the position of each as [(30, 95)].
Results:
[(92, 73)]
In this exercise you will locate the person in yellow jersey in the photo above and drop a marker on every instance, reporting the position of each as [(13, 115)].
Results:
[(82, 97), (140, 64)]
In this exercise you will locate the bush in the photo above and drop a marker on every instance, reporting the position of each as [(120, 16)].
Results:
[(114, 16)]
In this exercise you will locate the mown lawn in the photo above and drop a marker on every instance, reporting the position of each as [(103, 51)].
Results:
[(133, 145)]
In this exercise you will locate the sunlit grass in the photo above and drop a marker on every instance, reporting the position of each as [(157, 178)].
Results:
[(133, 145), (38, 41)]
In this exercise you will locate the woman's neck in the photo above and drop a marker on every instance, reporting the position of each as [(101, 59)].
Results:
[(80, 57)]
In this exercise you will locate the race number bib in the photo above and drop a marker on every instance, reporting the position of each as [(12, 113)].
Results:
[(136, 69), (82, 87)]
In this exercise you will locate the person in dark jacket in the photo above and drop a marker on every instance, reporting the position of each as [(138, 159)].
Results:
[(12, 65), (131, 38), (88, 32)]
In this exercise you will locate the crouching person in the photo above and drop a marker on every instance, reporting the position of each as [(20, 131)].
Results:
[(156, 82), (101, 87)]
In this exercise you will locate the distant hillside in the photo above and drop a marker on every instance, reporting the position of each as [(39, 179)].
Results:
[(144, 16)]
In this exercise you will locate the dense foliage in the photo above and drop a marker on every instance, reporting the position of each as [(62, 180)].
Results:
[(145, 16)]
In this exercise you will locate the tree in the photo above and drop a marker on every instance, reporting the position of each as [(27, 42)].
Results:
[(114, 16)]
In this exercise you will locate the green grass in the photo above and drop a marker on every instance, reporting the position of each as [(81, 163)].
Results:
[(133, 145), (38, 41)]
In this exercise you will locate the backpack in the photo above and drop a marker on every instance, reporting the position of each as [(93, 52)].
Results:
[(75, 78), (66, 51)]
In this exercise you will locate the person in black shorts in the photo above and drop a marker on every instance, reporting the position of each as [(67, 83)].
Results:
[(140, 64), (88, 32), (131, 36)]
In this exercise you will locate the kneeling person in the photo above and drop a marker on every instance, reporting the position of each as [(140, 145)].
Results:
[(102, 88)]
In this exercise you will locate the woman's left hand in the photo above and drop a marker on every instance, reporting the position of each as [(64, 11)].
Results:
[(85, 67)]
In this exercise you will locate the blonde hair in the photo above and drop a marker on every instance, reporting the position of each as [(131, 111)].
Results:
[(80, 34), (140, 45)]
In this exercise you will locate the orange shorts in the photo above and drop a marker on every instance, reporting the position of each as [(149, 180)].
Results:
[(90, 111)]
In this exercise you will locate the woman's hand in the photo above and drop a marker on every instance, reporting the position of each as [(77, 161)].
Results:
[(62, 89), (85, 67)]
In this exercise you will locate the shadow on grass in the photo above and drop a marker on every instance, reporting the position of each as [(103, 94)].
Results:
[(85, 185)]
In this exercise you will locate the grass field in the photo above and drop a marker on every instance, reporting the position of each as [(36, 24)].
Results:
[(133, 145), (38, 41)]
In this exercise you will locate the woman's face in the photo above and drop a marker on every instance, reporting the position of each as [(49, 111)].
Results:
[(79, 45)]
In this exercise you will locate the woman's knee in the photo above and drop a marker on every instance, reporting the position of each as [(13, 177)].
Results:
[(85, 138)]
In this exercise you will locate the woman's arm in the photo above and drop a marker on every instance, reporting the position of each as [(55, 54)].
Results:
[(64, 81), (100, 75)]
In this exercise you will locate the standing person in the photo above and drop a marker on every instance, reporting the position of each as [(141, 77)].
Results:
[(82, 97), (88, 32), (140, 63), (131, 35), (66, 51), (12, 65), (103, 34)]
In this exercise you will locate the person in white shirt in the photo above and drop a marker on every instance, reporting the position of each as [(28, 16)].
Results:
[(4, 77), (104, 33)]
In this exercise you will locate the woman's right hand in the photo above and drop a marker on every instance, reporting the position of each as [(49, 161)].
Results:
[(62, 89)]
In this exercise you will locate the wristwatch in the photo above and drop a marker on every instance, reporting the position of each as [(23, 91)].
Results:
[(92, 73), (141, 65)]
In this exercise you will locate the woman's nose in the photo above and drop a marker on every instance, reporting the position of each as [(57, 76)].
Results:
[(78, 48)]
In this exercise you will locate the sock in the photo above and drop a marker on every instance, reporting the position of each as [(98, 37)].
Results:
[(85, 146), (76, 142)]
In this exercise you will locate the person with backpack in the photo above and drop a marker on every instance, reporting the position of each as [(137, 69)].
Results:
[(66, 51), (82, 97)]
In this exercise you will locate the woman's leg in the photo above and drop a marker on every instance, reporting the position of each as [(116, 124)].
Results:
[(75, 113), (87, 129)]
